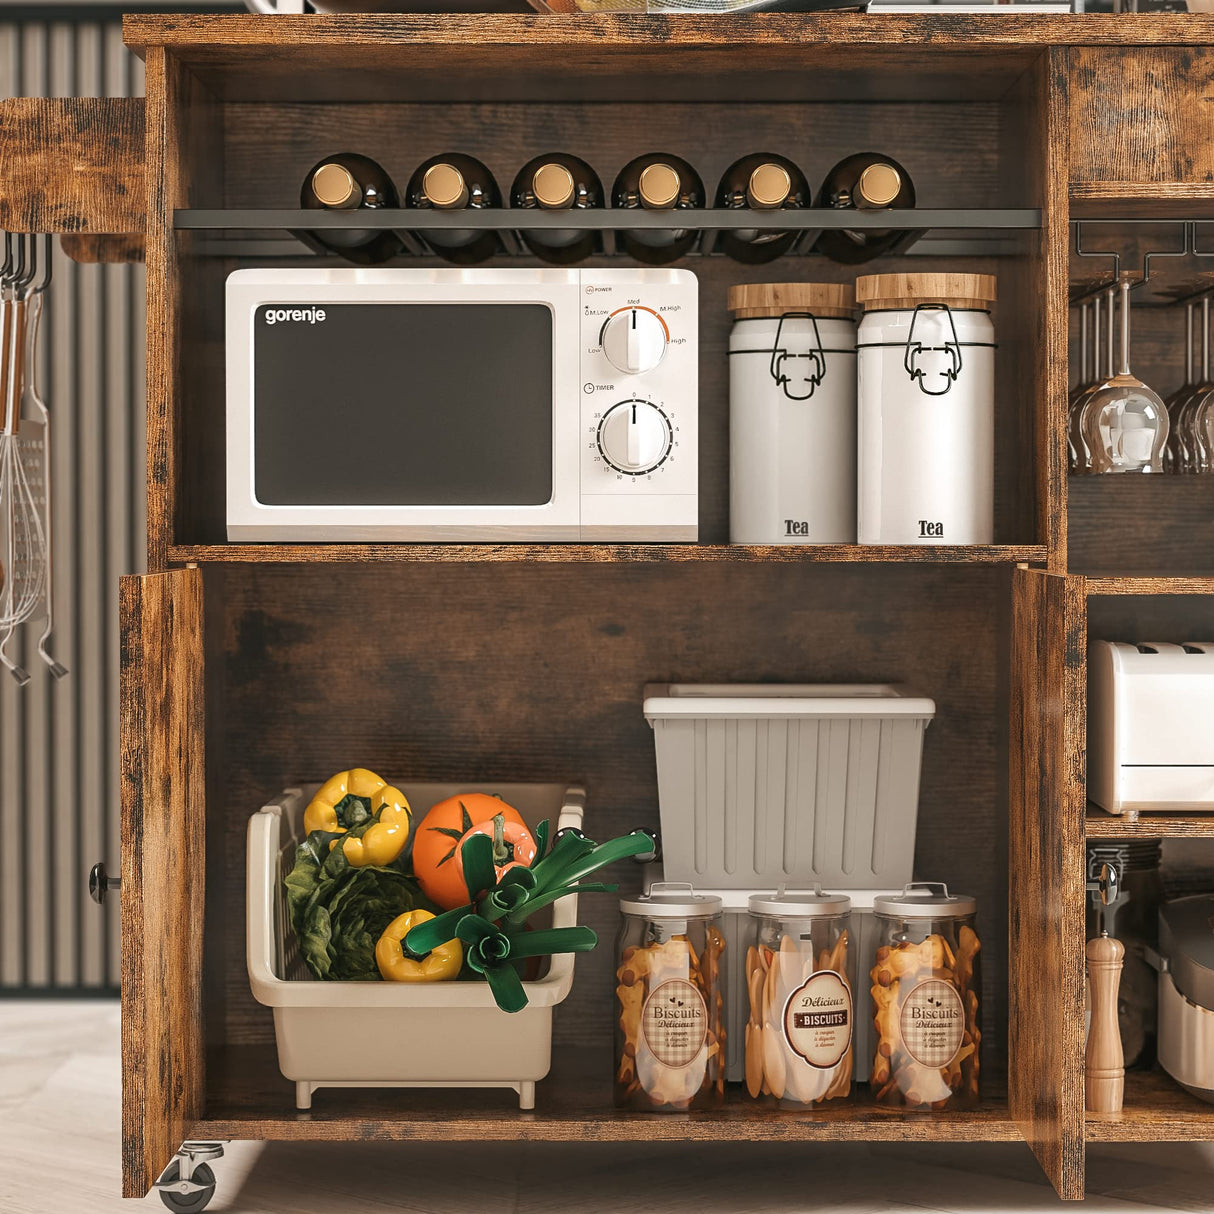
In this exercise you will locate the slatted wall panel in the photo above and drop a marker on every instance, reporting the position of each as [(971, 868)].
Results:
[(59, 741)]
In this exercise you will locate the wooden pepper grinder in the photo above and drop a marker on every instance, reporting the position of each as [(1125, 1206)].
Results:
[(1105, 1063)]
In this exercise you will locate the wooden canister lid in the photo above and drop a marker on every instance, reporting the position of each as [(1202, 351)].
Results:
[(825, 299), (896, 291)]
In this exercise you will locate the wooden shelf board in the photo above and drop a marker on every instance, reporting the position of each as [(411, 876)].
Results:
[(248, 1098), (1149, 585), (234, 35), (1142, 200), (939, 554), (1157, 1109), (1099, 825)]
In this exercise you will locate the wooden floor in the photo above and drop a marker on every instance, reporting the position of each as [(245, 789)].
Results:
[(59, 1126)]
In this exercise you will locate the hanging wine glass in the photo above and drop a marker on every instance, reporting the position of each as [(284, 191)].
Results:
[(1076, 458), (1093, 379), (1103, 371), (1172, 454), (1189, 444), (1126, 423), (1203, 409)]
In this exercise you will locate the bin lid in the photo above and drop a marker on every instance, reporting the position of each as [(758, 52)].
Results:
[(672, 900), (1186, 938), (798, 904), (669, 701), (925, 900), (750, 300), (885, 292)]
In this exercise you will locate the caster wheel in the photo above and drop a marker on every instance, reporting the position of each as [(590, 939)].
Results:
[(189, 1201)]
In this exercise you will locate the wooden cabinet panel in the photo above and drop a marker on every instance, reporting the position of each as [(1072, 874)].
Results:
[(1046, 890), (1142, 114), (72, 164), (163, 812)]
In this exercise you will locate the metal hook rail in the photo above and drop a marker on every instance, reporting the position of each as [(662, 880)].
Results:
[(1189, 248)]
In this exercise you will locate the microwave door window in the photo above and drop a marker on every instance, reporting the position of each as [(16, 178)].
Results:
[(402, 404)]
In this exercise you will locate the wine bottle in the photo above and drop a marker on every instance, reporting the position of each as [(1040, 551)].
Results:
[(455, 182), (867, 181), (350, 182), (761, 182), (658, 182), (558, 182)]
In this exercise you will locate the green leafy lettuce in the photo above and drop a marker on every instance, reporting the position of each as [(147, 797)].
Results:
[(339, 912)]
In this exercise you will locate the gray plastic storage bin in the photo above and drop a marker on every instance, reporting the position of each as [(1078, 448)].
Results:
[(794, 785)]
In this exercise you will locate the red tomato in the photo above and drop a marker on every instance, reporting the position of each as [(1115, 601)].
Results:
[(437, 859)]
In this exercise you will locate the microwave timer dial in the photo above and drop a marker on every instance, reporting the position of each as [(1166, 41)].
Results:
[(634, 339), (635, 437)]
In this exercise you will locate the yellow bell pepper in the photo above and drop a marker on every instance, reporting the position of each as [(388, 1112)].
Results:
[(381, 843), (439, 965)]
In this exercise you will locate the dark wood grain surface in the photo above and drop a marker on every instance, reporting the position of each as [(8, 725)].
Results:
[(1159, 128), (579, 554), (229, 34), (510, 672), (1100, 825), (248, 1098), (1045, 982), (1156, 1109), (72, 164), (103, 250), (164, 812)]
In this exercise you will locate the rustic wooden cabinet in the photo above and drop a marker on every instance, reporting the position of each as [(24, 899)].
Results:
[(246, 666)]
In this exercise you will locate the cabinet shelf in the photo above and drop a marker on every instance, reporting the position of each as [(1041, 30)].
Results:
[(506, 219), (981, 554), (248, 1098), (1157, 1109), (1149, 585), (947, 233), (1099, 825), (1142, 200)]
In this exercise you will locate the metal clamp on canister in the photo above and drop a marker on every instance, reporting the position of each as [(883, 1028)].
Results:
[(916, 350), (783, 351)]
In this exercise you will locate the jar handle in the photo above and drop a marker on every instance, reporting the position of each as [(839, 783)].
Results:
[(666, 886), (814, 353), (915, 349), (930, 886)]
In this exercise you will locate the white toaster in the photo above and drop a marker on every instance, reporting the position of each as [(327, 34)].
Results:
[(1150, 726)]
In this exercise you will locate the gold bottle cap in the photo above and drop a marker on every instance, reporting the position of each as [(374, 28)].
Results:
[(659, 187), (768, 187), (553, 186), (334, 186), (444, 185), (878, 186)]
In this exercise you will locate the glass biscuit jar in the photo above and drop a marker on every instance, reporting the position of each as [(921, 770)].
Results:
[(669, 1034), (800, 973), (925, 987)]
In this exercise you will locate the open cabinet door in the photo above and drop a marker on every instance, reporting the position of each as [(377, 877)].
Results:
[(1046, 803), (163, 811)]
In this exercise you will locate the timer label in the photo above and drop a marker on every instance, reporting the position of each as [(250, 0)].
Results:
[(818, 1019), (674, 1021)]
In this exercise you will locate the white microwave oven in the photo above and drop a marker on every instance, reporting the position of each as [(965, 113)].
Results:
[(462, 405)]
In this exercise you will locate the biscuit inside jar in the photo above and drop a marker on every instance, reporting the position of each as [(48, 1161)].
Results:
[(670, 1015), (925, 1014)]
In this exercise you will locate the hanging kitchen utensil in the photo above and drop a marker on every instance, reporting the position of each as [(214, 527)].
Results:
[(23, 541), (42, 414)]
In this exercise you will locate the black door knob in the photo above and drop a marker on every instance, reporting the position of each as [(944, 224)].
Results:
[(100, 883)]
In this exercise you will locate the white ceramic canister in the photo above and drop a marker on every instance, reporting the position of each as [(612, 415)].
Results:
[(792, 414), (926, 409)]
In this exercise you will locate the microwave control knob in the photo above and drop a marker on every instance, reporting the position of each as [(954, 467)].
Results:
[(634, 437), (634, 340)]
